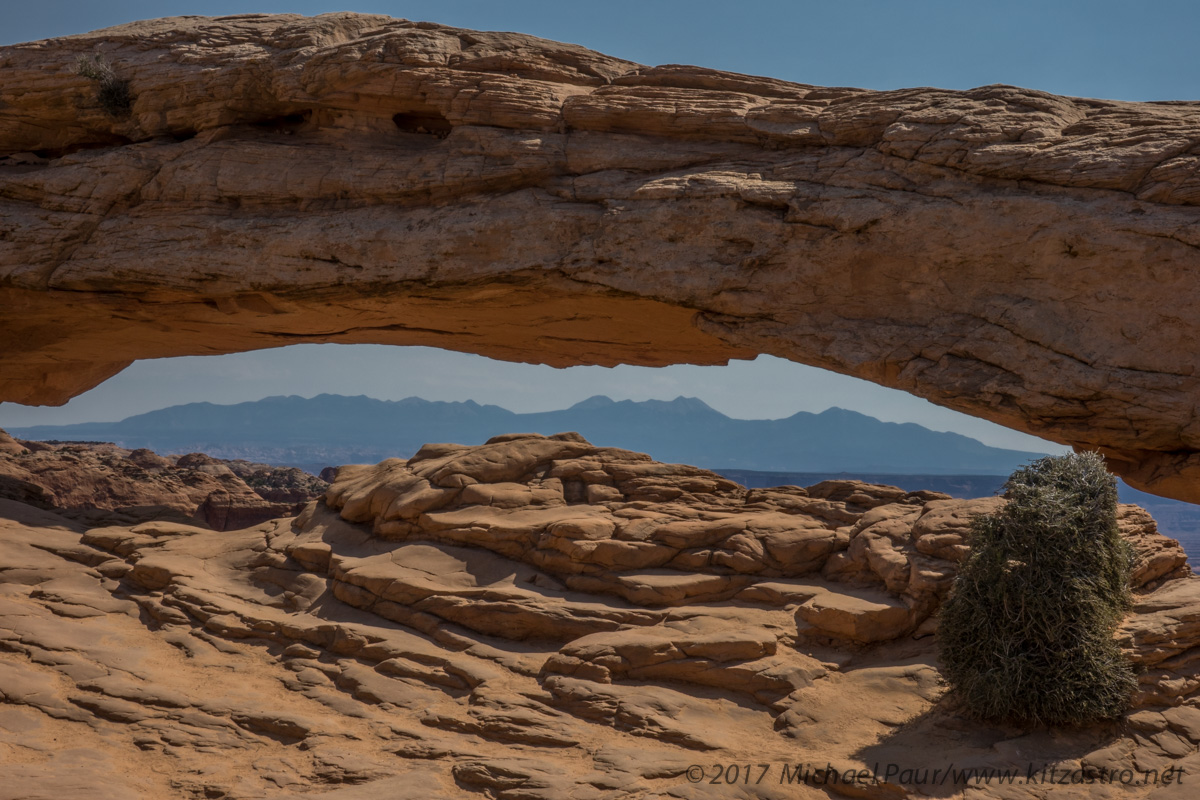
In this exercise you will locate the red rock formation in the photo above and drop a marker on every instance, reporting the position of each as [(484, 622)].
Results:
[(863, 563), (98, 481), (533, 619), (1018, 256)]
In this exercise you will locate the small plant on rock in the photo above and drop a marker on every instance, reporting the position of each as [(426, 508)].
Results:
[(1026, 634), (113, 93)]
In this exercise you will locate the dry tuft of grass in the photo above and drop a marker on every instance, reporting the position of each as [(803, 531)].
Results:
[(113, 93)]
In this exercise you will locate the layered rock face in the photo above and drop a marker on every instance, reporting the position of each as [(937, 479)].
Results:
[(534, 618), (267, 180), (610, 521), (94, 482)]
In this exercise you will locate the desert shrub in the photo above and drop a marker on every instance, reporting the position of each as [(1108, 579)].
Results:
[(1026, 634), (113, 93)]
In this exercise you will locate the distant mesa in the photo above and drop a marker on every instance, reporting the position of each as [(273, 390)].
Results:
[(98, 483)]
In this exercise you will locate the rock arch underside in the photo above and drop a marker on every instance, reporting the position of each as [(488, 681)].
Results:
[(1015, 255)]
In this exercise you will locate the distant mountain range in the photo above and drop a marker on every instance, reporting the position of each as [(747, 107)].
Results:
[(334, 429), (802, 449)]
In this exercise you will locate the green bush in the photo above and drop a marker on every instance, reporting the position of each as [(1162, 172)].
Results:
[(1026, 634), (113, 93)]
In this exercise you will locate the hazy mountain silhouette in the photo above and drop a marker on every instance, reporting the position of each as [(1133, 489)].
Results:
[(333, 429)]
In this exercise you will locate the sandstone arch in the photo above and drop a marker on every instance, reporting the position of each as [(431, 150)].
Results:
[(1022, 257)]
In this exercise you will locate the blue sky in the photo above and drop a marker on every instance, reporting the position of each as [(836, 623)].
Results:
[(1118, 50), (1098, 48)]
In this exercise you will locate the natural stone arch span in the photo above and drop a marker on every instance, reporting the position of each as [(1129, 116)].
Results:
[(1025, 258)]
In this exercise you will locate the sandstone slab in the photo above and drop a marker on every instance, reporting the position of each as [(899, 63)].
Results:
[(339, 654)]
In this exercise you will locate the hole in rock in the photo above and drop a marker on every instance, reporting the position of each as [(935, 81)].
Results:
[(428, 122), (285, 123)]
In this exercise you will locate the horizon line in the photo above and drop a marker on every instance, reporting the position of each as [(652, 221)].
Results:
[(515, 413)]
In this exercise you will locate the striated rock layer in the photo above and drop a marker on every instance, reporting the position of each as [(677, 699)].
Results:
[(533, 619), (96, 482), (1018, 256)]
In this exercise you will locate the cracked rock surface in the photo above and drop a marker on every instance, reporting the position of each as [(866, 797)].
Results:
[(100, 483), (534, 617), (1012, 254)]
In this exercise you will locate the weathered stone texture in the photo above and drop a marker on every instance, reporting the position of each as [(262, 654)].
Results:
[(1022, 257), (102, 483), (475, 618)]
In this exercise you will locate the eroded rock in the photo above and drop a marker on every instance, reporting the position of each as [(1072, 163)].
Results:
[(666, 535), (975, 248), (345, 654), (103, 483)]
